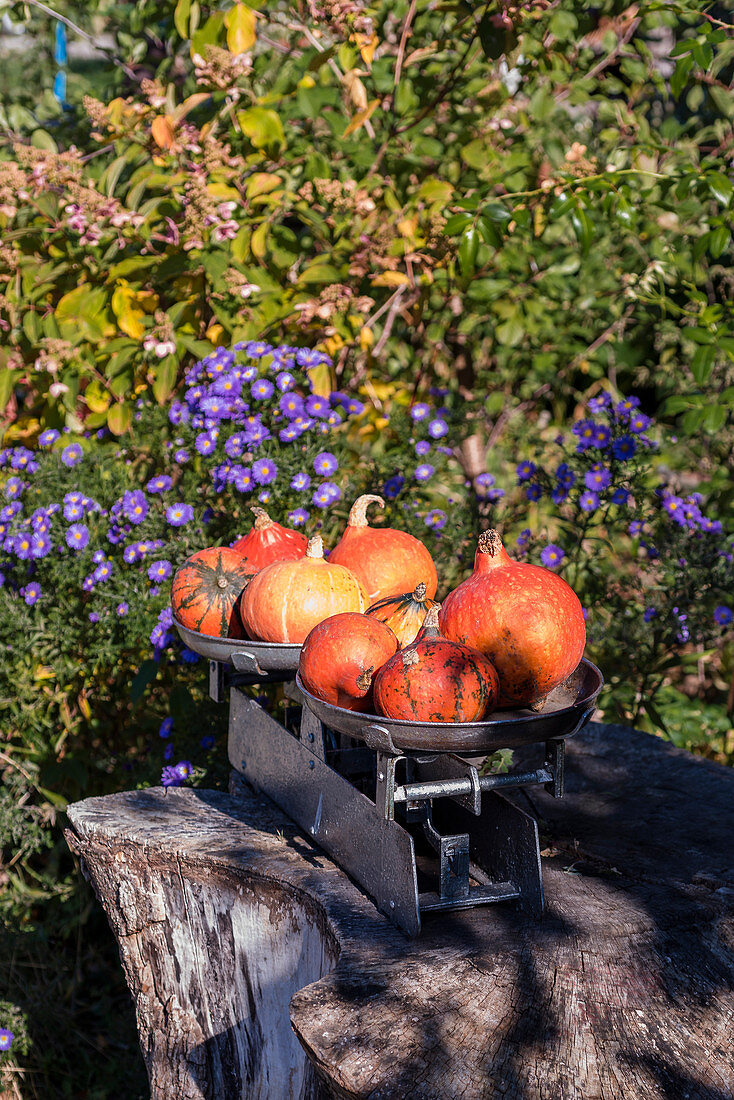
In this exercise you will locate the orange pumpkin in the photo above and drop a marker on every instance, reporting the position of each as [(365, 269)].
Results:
[(385, 560), (404, 614), (524, 618), (435, 680), (287, 599), (267, 541), (340, 655), (205, 591)]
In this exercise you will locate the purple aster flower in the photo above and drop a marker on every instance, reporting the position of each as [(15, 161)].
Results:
[(317, 406), (168, 751), (649, 614), (525, 471), (620, 496), (285, 381), (425, 472), (256, 349), (588, 501), (228, 385), (624, 447), (598, 477), (635, 528), (289, 434), (214, 407), (184, 769), (160, 484), (599, 404), (534, 491), (325, 464), (23, 546), (422, 448), (234, 447), (41, 545), (436, 519), (207, 742), (262, 389), (437, 429), (420, 411), (6, 1039), (624, 408), (11, 510), (122, 609), (264, 471), (160, 570), (188, 656), (255, 431), (291, 405), (242, 479), (601, 437), (73, 511), (179, 514), (674, 506), (130, 554), (48, 437), (88, 584), (178, 413), (638, 422), (22, 459), (524, 537), (181, 456), (134, 506), (585, 432), (93, 617), (205, 443), (103, 571), (298, 517), (14, 487), (552, 556), (308, 357), (559, 495), (264, 496), (723, 615), (392, 486), (72, 454), (165, 727), (31, 593), (170, 777), (565, 476), (354, 407), (248, 374), (326, 494)]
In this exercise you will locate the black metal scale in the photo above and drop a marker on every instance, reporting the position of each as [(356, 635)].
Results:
[(400, 806)]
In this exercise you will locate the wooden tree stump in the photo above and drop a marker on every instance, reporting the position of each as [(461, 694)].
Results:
[(229, 920)]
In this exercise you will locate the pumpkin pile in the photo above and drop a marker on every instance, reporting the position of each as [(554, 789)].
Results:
[(373, 637)]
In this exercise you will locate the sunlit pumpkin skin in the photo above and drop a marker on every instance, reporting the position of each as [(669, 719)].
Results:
[(404, 614), (527, 620), (206, 590), (386, 561), (340, 655), (267, 541), (287, 599), (435, 680)]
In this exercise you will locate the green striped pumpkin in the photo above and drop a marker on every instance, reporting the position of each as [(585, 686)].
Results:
[(206, 590)]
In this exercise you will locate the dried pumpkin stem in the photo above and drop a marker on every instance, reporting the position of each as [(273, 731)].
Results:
[(431, 619), (364, 680), (489, 543), (315, 548), (262, 519), (358, 511), (419, 592)]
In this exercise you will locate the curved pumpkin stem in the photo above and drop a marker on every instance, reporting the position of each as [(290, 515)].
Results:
[(315, 548), (262, 519), (364, 680), (430, 623), (358, 511), (419, 592), (490, 552)]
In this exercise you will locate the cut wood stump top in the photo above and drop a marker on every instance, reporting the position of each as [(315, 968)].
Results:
[(622, 991)]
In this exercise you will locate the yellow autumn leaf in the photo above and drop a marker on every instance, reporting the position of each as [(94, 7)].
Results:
[(240, 24), (257, 241), (162, 131), (188, 105), (360, 118), (366, 45), (214, 333), (260, 183), (128, 312), (356, 89), (408, 227), (390, 278), (321, 380)]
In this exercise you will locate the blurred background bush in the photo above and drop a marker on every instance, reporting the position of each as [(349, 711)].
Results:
[(498, 212)]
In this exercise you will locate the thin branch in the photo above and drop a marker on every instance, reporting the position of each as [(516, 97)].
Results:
[(83, 34), (403, 42), (391, 317), (605, 61), (616, 327)]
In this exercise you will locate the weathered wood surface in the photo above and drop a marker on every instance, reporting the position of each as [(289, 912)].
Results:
[(224, 912)]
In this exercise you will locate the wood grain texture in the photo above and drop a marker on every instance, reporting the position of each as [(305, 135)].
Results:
[(622, 992)]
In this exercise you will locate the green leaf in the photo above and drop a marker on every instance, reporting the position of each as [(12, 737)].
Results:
[(720, 187), (262, 126), (496, 211), (679, 79), (702, 363), (181, 17), (145, 675), (718, 240), (715, 418), (457, 223), (164, 381), (240, 23), (468, 248), (583, 227)]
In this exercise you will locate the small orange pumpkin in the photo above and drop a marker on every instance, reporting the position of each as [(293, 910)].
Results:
[(385, 560), (287, 599), (435, 680), (340, 655), (206, 589), (267, 541), (404, 614)]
